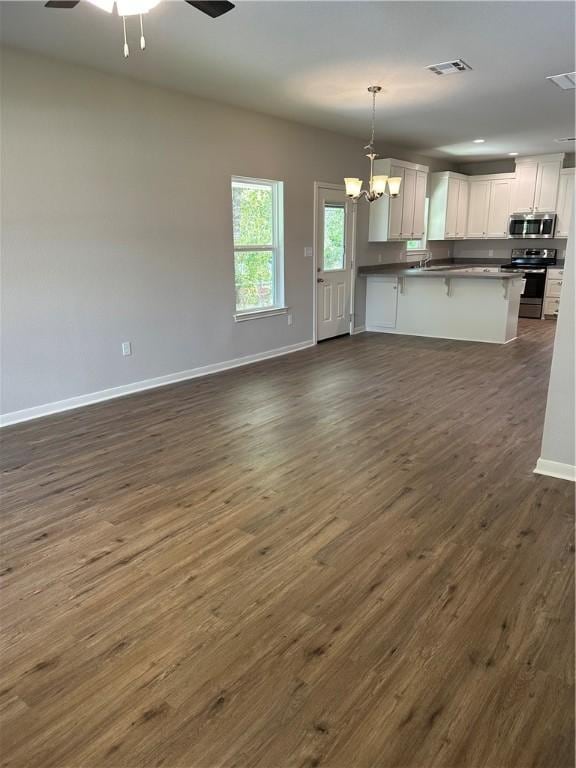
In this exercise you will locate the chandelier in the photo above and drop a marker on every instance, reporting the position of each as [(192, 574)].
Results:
[(377, 184)]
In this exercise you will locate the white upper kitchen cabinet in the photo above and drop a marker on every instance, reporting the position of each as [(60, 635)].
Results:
[(478, 203), (489, 206), (536, 184), (499, 207), (400, 218), (462, 213), (448, 206), (419, 219), (565, 202)]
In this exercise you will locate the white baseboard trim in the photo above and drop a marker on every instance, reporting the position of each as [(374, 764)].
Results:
[(27, 414), (378, 329), (358, 329), (555, 469)]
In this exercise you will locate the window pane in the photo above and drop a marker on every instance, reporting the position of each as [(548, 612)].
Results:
[(413, 245), (334, 237), (252, 212), (254, 272)]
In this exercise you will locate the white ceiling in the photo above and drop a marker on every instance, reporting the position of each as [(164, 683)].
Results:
[(312, 61)]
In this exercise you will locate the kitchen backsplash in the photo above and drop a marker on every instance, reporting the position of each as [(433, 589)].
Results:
[(395, 252), (500, 249)]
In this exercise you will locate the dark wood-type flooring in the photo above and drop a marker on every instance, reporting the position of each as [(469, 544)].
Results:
[(338, 558)]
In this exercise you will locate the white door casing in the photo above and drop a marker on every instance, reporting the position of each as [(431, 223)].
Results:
[(335, 227)]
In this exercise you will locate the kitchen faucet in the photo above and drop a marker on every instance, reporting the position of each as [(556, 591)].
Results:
[(425, 259)]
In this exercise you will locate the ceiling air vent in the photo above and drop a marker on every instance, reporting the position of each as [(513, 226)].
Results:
[(449, 67), (567, 81)]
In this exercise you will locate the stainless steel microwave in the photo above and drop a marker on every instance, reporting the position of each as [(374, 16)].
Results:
[(534, 225)]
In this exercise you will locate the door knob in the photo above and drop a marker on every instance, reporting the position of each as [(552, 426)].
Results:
[(319, 279)]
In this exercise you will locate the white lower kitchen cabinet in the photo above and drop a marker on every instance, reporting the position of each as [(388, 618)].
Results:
[(381, 303), (554, 280)]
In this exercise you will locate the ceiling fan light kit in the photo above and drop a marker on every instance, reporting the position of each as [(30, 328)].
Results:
[(376, 184), (124, 8)]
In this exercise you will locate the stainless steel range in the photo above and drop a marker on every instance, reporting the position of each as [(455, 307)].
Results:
[(533, 263)]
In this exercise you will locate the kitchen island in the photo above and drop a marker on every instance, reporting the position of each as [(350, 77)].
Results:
[(462, 303)]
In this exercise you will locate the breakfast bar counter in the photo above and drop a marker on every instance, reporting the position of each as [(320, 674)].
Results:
[(464, 303)]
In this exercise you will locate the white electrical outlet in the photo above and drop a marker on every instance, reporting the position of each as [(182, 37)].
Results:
[(379, 258), (289, 318), (126, 348)]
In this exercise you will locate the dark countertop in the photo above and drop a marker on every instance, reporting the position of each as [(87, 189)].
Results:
[(448, 270)]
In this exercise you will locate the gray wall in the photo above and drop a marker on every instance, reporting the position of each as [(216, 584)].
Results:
[(506, 165), (116, 225), (559, 440)]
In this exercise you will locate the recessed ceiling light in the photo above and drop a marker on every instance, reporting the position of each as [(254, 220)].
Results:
[(479, 141), (513, 154), (567, 81)]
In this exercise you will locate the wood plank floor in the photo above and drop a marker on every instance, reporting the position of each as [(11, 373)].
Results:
[(337, 558)]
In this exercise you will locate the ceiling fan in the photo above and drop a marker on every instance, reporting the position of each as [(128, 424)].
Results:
[(124, 8)]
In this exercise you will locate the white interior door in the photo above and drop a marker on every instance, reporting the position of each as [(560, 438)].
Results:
[(334, 254)]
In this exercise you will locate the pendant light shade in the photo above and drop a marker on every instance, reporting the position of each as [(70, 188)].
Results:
[(379, 184), (394, 185), (353, 186)]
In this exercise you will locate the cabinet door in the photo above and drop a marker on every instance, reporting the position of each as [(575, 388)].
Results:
[(408, 200), (565, 204), (452, 207), (524, 188), (547, 180), (478, 209), (462, 213), (499, 208), (419, 223), (381, 300), (395, 220), (553, 289)]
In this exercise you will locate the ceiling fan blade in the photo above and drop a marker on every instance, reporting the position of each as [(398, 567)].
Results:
[(212, 8), (61, 3)]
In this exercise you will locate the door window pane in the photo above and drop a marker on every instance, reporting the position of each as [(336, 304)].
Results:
[(252, 213), (254, 272), (334, 237)]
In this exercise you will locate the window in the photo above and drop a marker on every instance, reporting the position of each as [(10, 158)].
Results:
[(257, 218), (420, 245), (334, 237)]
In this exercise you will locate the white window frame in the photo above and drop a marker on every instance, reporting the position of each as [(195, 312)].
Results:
[(276, 246)]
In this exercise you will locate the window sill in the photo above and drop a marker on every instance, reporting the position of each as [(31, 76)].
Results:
[(240, 317)]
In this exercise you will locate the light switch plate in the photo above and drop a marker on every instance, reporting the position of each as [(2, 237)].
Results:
[(308, 252), (126, 348)]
